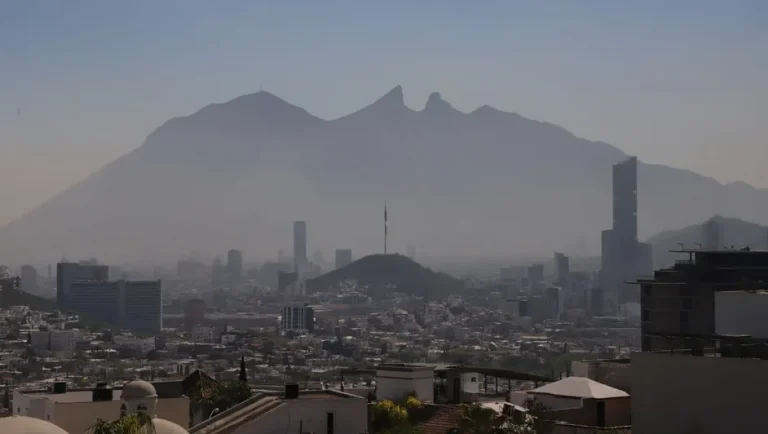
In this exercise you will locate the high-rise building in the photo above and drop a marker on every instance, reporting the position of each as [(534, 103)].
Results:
[(194, 313), (343, 257), (298, 317), (28, 278), (711, 235), (680, 305), (562, 269), (623, 257), (68, 273), (218, 272), (535, 275), (299, 245), (143, 306), (135, 305), (234, 267)]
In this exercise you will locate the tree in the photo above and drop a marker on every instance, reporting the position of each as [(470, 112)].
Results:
[(222, 396), (131, 424)]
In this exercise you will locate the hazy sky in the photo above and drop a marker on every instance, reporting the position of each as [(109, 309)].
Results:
[(678, 82)]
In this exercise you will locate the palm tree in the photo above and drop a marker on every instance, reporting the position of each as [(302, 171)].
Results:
[(131, 424)]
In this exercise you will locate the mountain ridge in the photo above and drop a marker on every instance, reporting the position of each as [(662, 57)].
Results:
[(238, 172)]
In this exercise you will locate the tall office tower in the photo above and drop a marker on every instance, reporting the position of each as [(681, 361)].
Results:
[(536, 275), (562, 269), (343, 257), (623, 258), (28, 278), (234, 267), (711, 234), (299, 245), (298, 317), (135, 305), (68, 273), (218, 273)]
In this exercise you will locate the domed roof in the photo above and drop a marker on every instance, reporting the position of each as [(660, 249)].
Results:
[(163, 426), (138, 389), (28, 425)]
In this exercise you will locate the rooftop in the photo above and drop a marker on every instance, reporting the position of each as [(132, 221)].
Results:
[(580, 387)]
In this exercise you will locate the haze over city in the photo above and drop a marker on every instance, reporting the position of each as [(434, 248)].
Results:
[(346, 217)]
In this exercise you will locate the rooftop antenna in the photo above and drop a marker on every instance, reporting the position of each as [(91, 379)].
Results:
[(682, 247), (699, 245)]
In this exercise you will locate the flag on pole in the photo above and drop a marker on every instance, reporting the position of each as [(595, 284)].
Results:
[(385, 218)]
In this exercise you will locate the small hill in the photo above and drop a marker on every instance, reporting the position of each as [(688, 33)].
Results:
[(10, 295), (380, 271), (734, 232)]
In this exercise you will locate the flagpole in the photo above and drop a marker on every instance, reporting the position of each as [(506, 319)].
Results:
[(385, 227)]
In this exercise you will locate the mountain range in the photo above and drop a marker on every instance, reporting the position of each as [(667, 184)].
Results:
[(236, 174)]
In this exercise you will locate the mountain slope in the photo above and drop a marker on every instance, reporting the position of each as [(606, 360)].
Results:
[(733, 232), (235, 174)]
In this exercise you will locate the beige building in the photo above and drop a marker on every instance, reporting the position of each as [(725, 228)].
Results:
[(309, 411), (579, 401), (616, 373), (76, 411), (679, 393), (394, 381)]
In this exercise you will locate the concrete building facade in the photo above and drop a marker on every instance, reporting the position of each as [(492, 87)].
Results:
[(679, 393)]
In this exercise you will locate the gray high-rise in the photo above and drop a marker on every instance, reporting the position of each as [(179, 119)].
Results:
[(234, 267), (623, 257), (343, 257), (299, 245)]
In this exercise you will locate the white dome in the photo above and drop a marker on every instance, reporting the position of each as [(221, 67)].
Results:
[(163, 426), (28, 425), (138, 389)]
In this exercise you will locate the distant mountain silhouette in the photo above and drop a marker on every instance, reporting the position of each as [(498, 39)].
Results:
[(10, 296), (235, 174), (733, 232), (379, 271)]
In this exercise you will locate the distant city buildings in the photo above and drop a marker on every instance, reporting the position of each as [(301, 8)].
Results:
[(299, 245), (194, 313), (298, 318), (343, 257), (136, 305), (67, 273), (623, 258), (535, 274), (29, 278), (562, 269), (712, 235), (190, 270), (234, 269)]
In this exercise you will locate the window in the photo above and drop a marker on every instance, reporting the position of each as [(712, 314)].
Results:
[(473, 380), (647, 290), (123, 411), (141, 408)]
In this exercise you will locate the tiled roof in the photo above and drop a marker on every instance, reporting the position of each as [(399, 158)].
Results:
[(442, 421)]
